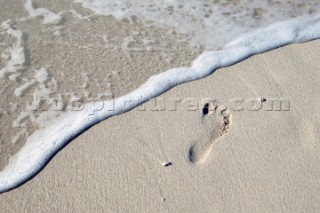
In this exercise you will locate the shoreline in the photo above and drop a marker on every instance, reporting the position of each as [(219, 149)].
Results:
[(163, 106), (266, 160), (38, 149), (62, 65)]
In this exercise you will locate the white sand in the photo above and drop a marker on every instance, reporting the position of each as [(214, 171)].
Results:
[(266, 162)]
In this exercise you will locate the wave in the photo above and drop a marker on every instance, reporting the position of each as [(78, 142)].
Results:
[(209, 23), (45, 143)]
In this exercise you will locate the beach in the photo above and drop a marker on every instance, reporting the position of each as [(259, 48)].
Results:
[(231, 156), (159, 106)]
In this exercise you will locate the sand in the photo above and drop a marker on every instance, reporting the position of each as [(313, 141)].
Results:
[(223, 158), (87, 58)]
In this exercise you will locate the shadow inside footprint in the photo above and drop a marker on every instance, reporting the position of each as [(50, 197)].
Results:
[(206, 109), (215, 121)]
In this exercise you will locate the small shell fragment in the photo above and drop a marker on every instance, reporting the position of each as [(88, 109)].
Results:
[(165, 164)]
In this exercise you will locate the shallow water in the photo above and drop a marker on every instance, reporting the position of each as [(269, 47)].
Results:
[(211, 23), (80, 58)]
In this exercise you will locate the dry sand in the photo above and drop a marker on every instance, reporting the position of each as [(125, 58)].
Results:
[(261, 161)]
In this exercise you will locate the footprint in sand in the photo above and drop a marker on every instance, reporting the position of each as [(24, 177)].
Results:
[(215, 123)]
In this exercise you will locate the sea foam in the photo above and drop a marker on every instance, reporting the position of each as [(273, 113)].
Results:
[(17, 57), (205, 21), (48, 16), (43, 144)]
